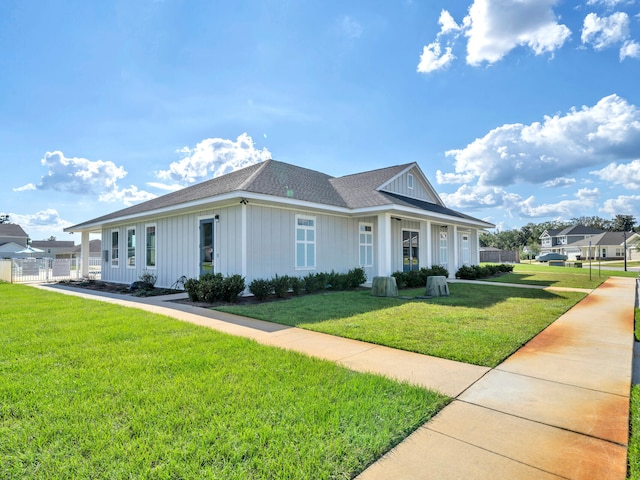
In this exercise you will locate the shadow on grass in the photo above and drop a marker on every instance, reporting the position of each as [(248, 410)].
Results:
[(523, 278)]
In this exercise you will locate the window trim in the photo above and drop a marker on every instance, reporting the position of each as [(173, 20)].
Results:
[(117, 250), (306, 242), (155, 246), (135, 247), (366, 245)]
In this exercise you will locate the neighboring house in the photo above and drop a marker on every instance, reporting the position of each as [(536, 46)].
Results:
[(9, 249), (54, 248), (95, 249), (10, 232), (275, 218), (560, 241), (607, 245)]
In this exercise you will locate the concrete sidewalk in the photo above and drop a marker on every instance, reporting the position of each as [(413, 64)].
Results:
[(557, 408)]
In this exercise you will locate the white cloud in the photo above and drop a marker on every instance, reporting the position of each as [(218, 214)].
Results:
[(87, 177), (447, 23), (41, 225), (495, 27), (627, 175), (622, 205), (25, 188), (79, 175), (127, 196), (484, 197), (608, 3), (557, 147), (630, 49), (433, 59), (603, 32), (213, 157), (560, 182)]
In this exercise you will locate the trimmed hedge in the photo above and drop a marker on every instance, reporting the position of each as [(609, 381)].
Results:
[(474, 272), (418, 278), (212, 288)]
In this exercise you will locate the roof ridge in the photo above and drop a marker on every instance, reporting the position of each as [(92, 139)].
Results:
[(403, 165), (249, 180)]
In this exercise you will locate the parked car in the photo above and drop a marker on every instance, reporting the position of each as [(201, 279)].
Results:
[(545, 257)]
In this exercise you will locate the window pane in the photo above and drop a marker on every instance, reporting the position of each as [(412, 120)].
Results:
[(300, 234), (300, 260), (311, 236), (311, 254)]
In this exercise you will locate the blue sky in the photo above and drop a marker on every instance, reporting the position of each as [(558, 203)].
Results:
[(517, 112)]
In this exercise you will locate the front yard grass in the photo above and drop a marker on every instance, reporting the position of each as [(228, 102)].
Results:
[(94, 390), (567, 277), (478, 324)]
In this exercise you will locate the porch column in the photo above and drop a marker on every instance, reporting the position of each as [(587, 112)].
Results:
[(456, 252), (84, 253), (429, 244), (243, 240), (384, 244)]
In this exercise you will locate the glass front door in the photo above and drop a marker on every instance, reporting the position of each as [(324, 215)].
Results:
[(206, 246), (410, 251)]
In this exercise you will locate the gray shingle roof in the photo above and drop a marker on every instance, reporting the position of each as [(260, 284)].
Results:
[(283, 180), (579, 230), (606, 238), (11, 230)]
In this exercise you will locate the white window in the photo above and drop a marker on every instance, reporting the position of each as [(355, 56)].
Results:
[(366, 245), (466, 252), (410, 181), (444, 256), (305, 242), (115, 250), (150, 246), (131, 246)]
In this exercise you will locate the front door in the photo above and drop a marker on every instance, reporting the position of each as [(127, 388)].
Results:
[(206, 246), (410, 244)]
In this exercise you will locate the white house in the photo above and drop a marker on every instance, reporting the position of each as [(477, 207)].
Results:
[(276, 218)]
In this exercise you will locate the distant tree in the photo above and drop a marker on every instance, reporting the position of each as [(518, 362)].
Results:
[(623, 223), (593, 222), (51, 239), (4, 218)]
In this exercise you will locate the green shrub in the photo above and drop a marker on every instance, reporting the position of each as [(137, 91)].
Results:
[(473, 272), (211, 287), (356, 277), (192, 288), (297, 285), (232, 288), (261, 288), (280, 285), (148, 277), (418, 278), (314, 282)]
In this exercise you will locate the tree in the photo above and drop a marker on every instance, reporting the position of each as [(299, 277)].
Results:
[(4, 218), (51, 239), (593, 222), (623, 223)]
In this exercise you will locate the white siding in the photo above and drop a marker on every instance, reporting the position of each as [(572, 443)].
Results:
[(401, 186)]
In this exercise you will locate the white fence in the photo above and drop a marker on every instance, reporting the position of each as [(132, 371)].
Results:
[(41, 270)]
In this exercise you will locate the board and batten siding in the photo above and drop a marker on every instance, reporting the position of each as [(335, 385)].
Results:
[(401, 186), (177, 247), (271, 242)]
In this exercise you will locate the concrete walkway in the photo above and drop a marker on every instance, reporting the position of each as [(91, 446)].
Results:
[(556, 409)]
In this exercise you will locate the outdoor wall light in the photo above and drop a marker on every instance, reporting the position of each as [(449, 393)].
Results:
[(216, 217)]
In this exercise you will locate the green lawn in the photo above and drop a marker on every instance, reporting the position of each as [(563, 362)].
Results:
[(568, 277), (634, 421), (94, 390), (479, 324)]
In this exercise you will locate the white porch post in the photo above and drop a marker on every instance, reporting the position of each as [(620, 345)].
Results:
[(384, 244), (84, 253), (477, 254), (429, 244), (456, 252), (243, 240)]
